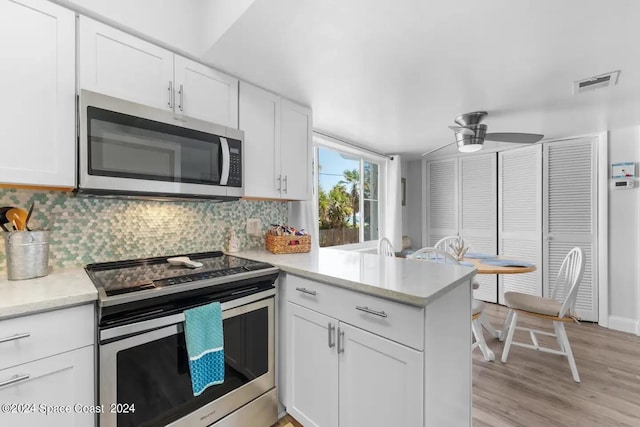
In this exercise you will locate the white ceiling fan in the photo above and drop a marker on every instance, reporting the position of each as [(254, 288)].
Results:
[(471, 133)]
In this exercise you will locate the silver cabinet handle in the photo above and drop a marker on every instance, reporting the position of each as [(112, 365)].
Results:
[(368, 310), (14, 379), (15, 337), (331, 330), (285, 184), (306, 291), (181, 93), (340, 340), (170, 103), (279, 182)]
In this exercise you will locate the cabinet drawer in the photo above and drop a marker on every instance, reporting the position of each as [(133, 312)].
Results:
[(62, 380), (27, 338), (398, 322)]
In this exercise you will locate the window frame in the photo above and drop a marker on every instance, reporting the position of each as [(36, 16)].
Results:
[(332, 144)]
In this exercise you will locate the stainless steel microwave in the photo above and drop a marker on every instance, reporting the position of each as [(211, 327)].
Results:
[(128, 149)]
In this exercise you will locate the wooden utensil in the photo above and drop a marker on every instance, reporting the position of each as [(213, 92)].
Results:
[(18, 217)]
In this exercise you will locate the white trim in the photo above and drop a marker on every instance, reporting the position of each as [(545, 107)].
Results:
[(623, 324), (638, 274), (337, 145), (327, 142), (603, 230)]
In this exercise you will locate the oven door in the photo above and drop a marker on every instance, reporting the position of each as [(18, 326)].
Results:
[(145, 380)]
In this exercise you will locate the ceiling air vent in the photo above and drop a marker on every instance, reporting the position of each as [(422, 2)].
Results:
[(596, 82)]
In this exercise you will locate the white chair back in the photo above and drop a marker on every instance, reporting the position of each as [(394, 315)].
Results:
[(385, 247), (443, 244), (434, 255), (568, 281)]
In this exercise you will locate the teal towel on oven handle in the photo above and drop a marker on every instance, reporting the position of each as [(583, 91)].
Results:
[(205, 346)]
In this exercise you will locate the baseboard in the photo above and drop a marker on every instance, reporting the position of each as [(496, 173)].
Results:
[(623, 324)]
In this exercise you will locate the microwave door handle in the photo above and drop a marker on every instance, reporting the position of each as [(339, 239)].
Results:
[(224, 147)]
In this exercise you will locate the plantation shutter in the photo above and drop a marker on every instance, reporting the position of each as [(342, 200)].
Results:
[(570, 215), (520, 217), (478, 210), (442, 199)]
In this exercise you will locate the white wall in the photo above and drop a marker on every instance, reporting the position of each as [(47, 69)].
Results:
[(624, 240)]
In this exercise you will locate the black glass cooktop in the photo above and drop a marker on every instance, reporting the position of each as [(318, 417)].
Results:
[(122, 277)]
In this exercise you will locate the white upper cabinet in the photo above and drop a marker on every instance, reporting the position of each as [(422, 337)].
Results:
[(38, 82), (205, 94), (118, 64), (277, 154), (121, 65), (260, 121), (295, 151)]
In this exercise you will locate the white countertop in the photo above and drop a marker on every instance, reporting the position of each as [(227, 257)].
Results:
[(398, 279), (61, 288)]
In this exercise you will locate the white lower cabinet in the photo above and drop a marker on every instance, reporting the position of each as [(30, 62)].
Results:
[(380, 381), (313, 367), (341, 375), (56, 391), (47, 369)]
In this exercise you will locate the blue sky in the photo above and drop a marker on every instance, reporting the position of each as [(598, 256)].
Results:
[(333, 164)]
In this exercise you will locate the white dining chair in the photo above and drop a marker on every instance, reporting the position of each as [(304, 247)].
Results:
[(385, 247), (560, 308), (477, 306)]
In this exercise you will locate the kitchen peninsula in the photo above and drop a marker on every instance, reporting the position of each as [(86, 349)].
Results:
[(371, 340)]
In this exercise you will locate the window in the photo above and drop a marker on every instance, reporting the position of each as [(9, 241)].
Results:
[(347, 187)]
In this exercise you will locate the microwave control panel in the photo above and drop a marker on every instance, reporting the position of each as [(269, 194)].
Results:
[(235, 163)]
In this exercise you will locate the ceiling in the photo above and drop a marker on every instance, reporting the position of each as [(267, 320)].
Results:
[(392, 75)]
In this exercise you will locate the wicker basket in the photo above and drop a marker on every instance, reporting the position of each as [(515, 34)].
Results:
[(287, 244)]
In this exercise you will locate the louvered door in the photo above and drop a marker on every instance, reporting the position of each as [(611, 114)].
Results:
[(442, 200), (520, 217), (569, 182), (478, 205)]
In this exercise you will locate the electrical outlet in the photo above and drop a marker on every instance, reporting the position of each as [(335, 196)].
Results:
[(253, 226)]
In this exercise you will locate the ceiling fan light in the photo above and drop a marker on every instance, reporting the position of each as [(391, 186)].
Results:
[(469, 148), (469, 144)]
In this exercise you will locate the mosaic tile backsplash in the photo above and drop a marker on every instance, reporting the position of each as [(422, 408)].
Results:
[(85, 230)]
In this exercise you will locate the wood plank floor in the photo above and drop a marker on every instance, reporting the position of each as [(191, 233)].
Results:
[(536, 389)]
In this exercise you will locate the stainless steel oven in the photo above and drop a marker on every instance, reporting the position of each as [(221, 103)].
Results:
[(144, 377), (131, 149)]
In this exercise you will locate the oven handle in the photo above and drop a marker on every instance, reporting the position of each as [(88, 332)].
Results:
[(160, 322)]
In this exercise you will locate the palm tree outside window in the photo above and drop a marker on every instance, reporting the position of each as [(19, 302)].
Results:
[(348, 198)]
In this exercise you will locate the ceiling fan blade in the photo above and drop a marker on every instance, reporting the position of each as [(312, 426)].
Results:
[(437, 149), (462, 130), (524, 138)]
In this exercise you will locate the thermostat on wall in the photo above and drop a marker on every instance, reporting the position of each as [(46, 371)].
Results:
[(623, 170), (623, 184)]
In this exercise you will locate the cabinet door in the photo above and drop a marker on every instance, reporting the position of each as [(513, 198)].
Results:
[(260, 121), (205, 94), (312, 369), (295, 151), (381, 382), (118, 64), (520, 217), (57, 381), (38, 85)]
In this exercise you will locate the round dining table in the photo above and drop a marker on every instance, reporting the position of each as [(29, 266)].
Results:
[(494, 269)]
